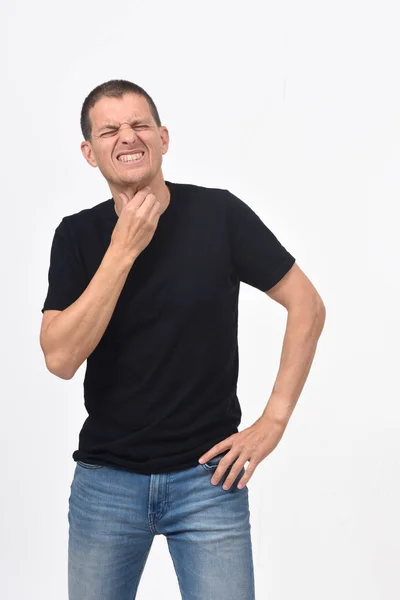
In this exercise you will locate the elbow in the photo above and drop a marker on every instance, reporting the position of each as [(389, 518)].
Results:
[(321, 309), (320, 313), (64, 375), (310, 311), (59, 369)]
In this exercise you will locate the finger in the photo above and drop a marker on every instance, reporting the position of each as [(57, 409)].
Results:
[(141, 196), (246, 477), (215, 450), (233, 474), (219, 473), (155, 211), (242, 483), (149, 201), (209, 455), (223, 465)]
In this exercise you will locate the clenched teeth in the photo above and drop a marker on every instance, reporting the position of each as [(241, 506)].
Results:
[(130, 157)]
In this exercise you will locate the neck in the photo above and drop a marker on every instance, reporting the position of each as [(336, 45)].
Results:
[(157, 185)]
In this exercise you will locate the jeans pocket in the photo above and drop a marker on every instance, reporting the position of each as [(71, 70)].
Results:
[(85, 465), (213, 463)]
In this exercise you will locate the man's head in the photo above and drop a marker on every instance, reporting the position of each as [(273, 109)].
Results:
[(119, 122)]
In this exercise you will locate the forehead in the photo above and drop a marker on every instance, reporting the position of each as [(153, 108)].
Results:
[(120, 110)]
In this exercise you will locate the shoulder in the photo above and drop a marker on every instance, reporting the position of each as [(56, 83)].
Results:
[(222, 195), (85, 219), (207, 197), (191, 189)]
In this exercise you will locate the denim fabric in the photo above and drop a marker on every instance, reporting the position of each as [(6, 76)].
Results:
[(115, 514)]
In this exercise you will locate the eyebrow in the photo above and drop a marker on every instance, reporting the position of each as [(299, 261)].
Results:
[(116, 126)]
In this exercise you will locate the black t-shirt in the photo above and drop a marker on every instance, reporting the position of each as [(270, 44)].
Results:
[(160, 387)]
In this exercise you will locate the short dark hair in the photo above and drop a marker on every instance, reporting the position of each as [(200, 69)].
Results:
[(115, 88)]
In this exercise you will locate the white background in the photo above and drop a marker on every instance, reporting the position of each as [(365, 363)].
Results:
[(295, 108)]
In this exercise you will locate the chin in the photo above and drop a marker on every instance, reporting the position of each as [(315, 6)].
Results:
[(134, 178)]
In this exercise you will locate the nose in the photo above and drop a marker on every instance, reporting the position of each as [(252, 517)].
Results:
[(127, 134)]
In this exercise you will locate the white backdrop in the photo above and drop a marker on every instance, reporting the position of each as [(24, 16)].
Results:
[(295, 108)]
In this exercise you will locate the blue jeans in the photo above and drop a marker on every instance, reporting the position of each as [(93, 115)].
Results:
[(115, 514)]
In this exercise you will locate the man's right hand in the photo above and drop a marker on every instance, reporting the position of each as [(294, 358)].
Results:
[(137, 222)]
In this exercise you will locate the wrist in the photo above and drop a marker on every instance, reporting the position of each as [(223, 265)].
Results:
[(120, 257), (278, 411)]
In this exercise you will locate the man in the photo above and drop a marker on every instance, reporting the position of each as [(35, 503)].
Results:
[(145, 287)]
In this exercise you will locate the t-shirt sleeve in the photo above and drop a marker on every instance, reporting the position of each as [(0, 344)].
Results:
[(258, 257), (66, 275)]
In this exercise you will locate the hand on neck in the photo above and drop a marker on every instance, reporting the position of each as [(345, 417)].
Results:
[(159, 189)]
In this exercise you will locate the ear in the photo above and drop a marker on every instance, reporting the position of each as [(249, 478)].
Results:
[(164, 139), (87, 152)]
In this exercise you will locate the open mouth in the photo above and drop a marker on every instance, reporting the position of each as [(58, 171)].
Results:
[(131, 158)]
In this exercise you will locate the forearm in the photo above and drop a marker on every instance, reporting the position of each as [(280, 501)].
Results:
[(73, 334), (303, 329)]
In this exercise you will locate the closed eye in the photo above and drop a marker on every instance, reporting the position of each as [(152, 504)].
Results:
[(108, 132), (112, 131)]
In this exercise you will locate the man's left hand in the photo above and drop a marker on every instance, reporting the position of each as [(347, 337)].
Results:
[(252, 444)]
